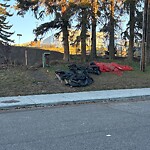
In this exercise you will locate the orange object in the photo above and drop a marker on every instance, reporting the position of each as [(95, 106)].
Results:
[(113, 67)]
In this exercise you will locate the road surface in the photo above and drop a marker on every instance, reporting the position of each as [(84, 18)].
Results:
[(98, 126)]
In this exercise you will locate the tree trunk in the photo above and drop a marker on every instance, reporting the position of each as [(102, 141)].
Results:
[(148, 36), (112, 35), (83, 36), (93, 45), (132, 25), (144, 37), (65, 32), (66, 43)]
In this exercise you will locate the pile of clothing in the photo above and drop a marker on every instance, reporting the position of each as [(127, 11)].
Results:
[(78, 76)]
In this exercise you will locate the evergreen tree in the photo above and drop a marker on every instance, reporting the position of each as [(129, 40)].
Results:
[(84, 23), (83, 14), (4, 24), (95, 13), (109, 20), (61, 20), (134, 26), (111, 47)]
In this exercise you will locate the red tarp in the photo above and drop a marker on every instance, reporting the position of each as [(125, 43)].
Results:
[(113, 67)]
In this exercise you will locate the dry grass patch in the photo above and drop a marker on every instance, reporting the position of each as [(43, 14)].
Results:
[(23, 81)]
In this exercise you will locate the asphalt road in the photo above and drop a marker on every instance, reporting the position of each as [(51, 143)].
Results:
[(111, 126)]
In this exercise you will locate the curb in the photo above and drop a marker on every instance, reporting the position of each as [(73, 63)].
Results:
[(73, 98)]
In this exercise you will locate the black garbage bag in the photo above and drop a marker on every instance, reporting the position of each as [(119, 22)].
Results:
[(78, 76), (92, 68), (63, 75), (79, 79)]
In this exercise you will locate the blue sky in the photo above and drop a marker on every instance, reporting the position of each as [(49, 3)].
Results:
[(24, 25)]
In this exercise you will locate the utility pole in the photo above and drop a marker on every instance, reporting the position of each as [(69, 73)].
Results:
[(144, 38), (148, 36)]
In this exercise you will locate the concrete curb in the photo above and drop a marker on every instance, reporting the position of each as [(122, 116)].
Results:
[(62, 98)]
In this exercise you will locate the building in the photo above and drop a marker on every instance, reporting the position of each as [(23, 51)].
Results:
[(74, 41)]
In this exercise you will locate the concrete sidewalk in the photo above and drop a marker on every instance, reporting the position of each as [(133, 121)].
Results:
[(34, 100)]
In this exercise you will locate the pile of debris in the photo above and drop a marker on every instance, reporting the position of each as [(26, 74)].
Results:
[(78, 76)]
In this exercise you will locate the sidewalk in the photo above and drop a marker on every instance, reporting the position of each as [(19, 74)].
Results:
[(34, 100)]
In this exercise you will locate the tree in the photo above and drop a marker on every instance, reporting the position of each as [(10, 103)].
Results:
[(112, 32), (65, 31), (83, 33), (110, 17), (62, 13), (86, 17), (83, 14), (94, 21), (4, 24), (134, 26)]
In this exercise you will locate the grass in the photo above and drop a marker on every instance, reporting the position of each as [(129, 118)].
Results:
[(24, 81)]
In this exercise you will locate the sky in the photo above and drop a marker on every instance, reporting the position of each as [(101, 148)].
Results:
[(24, 26)]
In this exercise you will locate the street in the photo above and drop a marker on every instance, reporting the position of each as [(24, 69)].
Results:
[(95, 126)]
